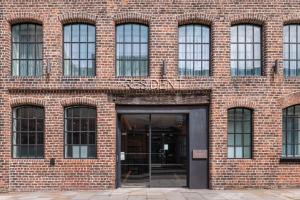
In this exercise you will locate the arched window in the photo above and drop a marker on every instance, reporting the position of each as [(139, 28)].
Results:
[(239, 133), (27, 49), (28, 132), (291, 131), (80, 132), (291, 50), (194, 50), (79, 50), (246, 50), (132, 50)]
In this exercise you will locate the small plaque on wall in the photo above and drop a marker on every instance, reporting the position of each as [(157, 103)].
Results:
[(199, 154)]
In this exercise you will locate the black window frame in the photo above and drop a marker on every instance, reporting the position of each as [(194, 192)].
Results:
[(27, 59), (79, 59), (64, 132), (237, 60), (194, 43), (131, 43), (287, 72), (243, 133), (15, 118), (285, 119)]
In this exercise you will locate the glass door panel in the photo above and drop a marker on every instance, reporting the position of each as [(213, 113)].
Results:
[(168, 150), (135, 150)]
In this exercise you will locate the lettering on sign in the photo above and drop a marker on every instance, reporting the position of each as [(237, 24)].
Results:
[(199, 154)]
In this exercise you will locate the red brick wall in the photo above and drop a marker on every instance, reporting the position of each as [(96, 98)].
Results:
[(266, 95)]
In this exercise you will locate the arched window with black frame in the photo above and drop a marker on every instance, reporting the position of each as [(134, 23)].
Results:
[(27, 49), (28, 132), (131, 50), (239, 141), (80, 132), (246, 50), (291, 132), (291, 50), (79, 50), (193, 50)]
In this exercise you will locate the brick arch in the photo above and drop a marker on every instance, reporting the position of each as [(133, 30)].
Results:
[(248, 18), (77, 17), (27, 101), (195, 18), (291, 19), (132, 17), (240, 104), (289, 100), (24, 17), (78, 101)]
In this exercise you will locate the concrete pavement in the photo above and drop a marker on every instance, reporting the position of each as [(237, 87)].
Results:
[(158, 193)]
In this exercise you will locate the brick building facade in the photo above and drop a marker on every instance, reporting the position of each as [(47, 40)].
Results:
[(266, 94)]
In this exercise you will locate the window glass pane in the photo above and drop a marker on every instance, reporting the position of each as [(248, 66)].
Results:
[(249, 33), (83, 51), (15, 33), (241, 68), (23, 67), (247, 152), (206, 51), (91, 33), (67, 51), (189, 34), (128, 32), (16, 51), (31, 68), (67, 68), (205, 68), (23, 51), (15, 70), (83, 67), (75, 67), (293, 51), (31, 33), (286, 51), (120, 33), (230, 152), (234, 34), (23, 33), (83, 33), (231, 139), (233, 51), (31, 51), (91, 51), (39, 51), (144, 34), (233, 68), (247, 139), (182, 34), (75, 33), (257, 34), (205, 32), (238, 140), (135, 33), (39, 33), (198, 52), (241, 53), (231, 126), (241, 33), (239, 152), (67, 33), (198, 34), (286, 34), (257, 51), (197, 67), (75, 51), (249, 51), (293, 35)]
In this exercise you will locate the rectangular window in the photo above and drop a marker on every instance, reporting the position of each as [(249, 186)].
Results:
[(246, 50), (131, 50), (28, 132), (193, 50), (79, 50), (239, 133), (27, 50), (80, 132)]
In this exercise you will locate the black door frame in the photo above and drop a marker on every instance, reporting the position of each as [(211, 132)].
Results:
[(193, 170)]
